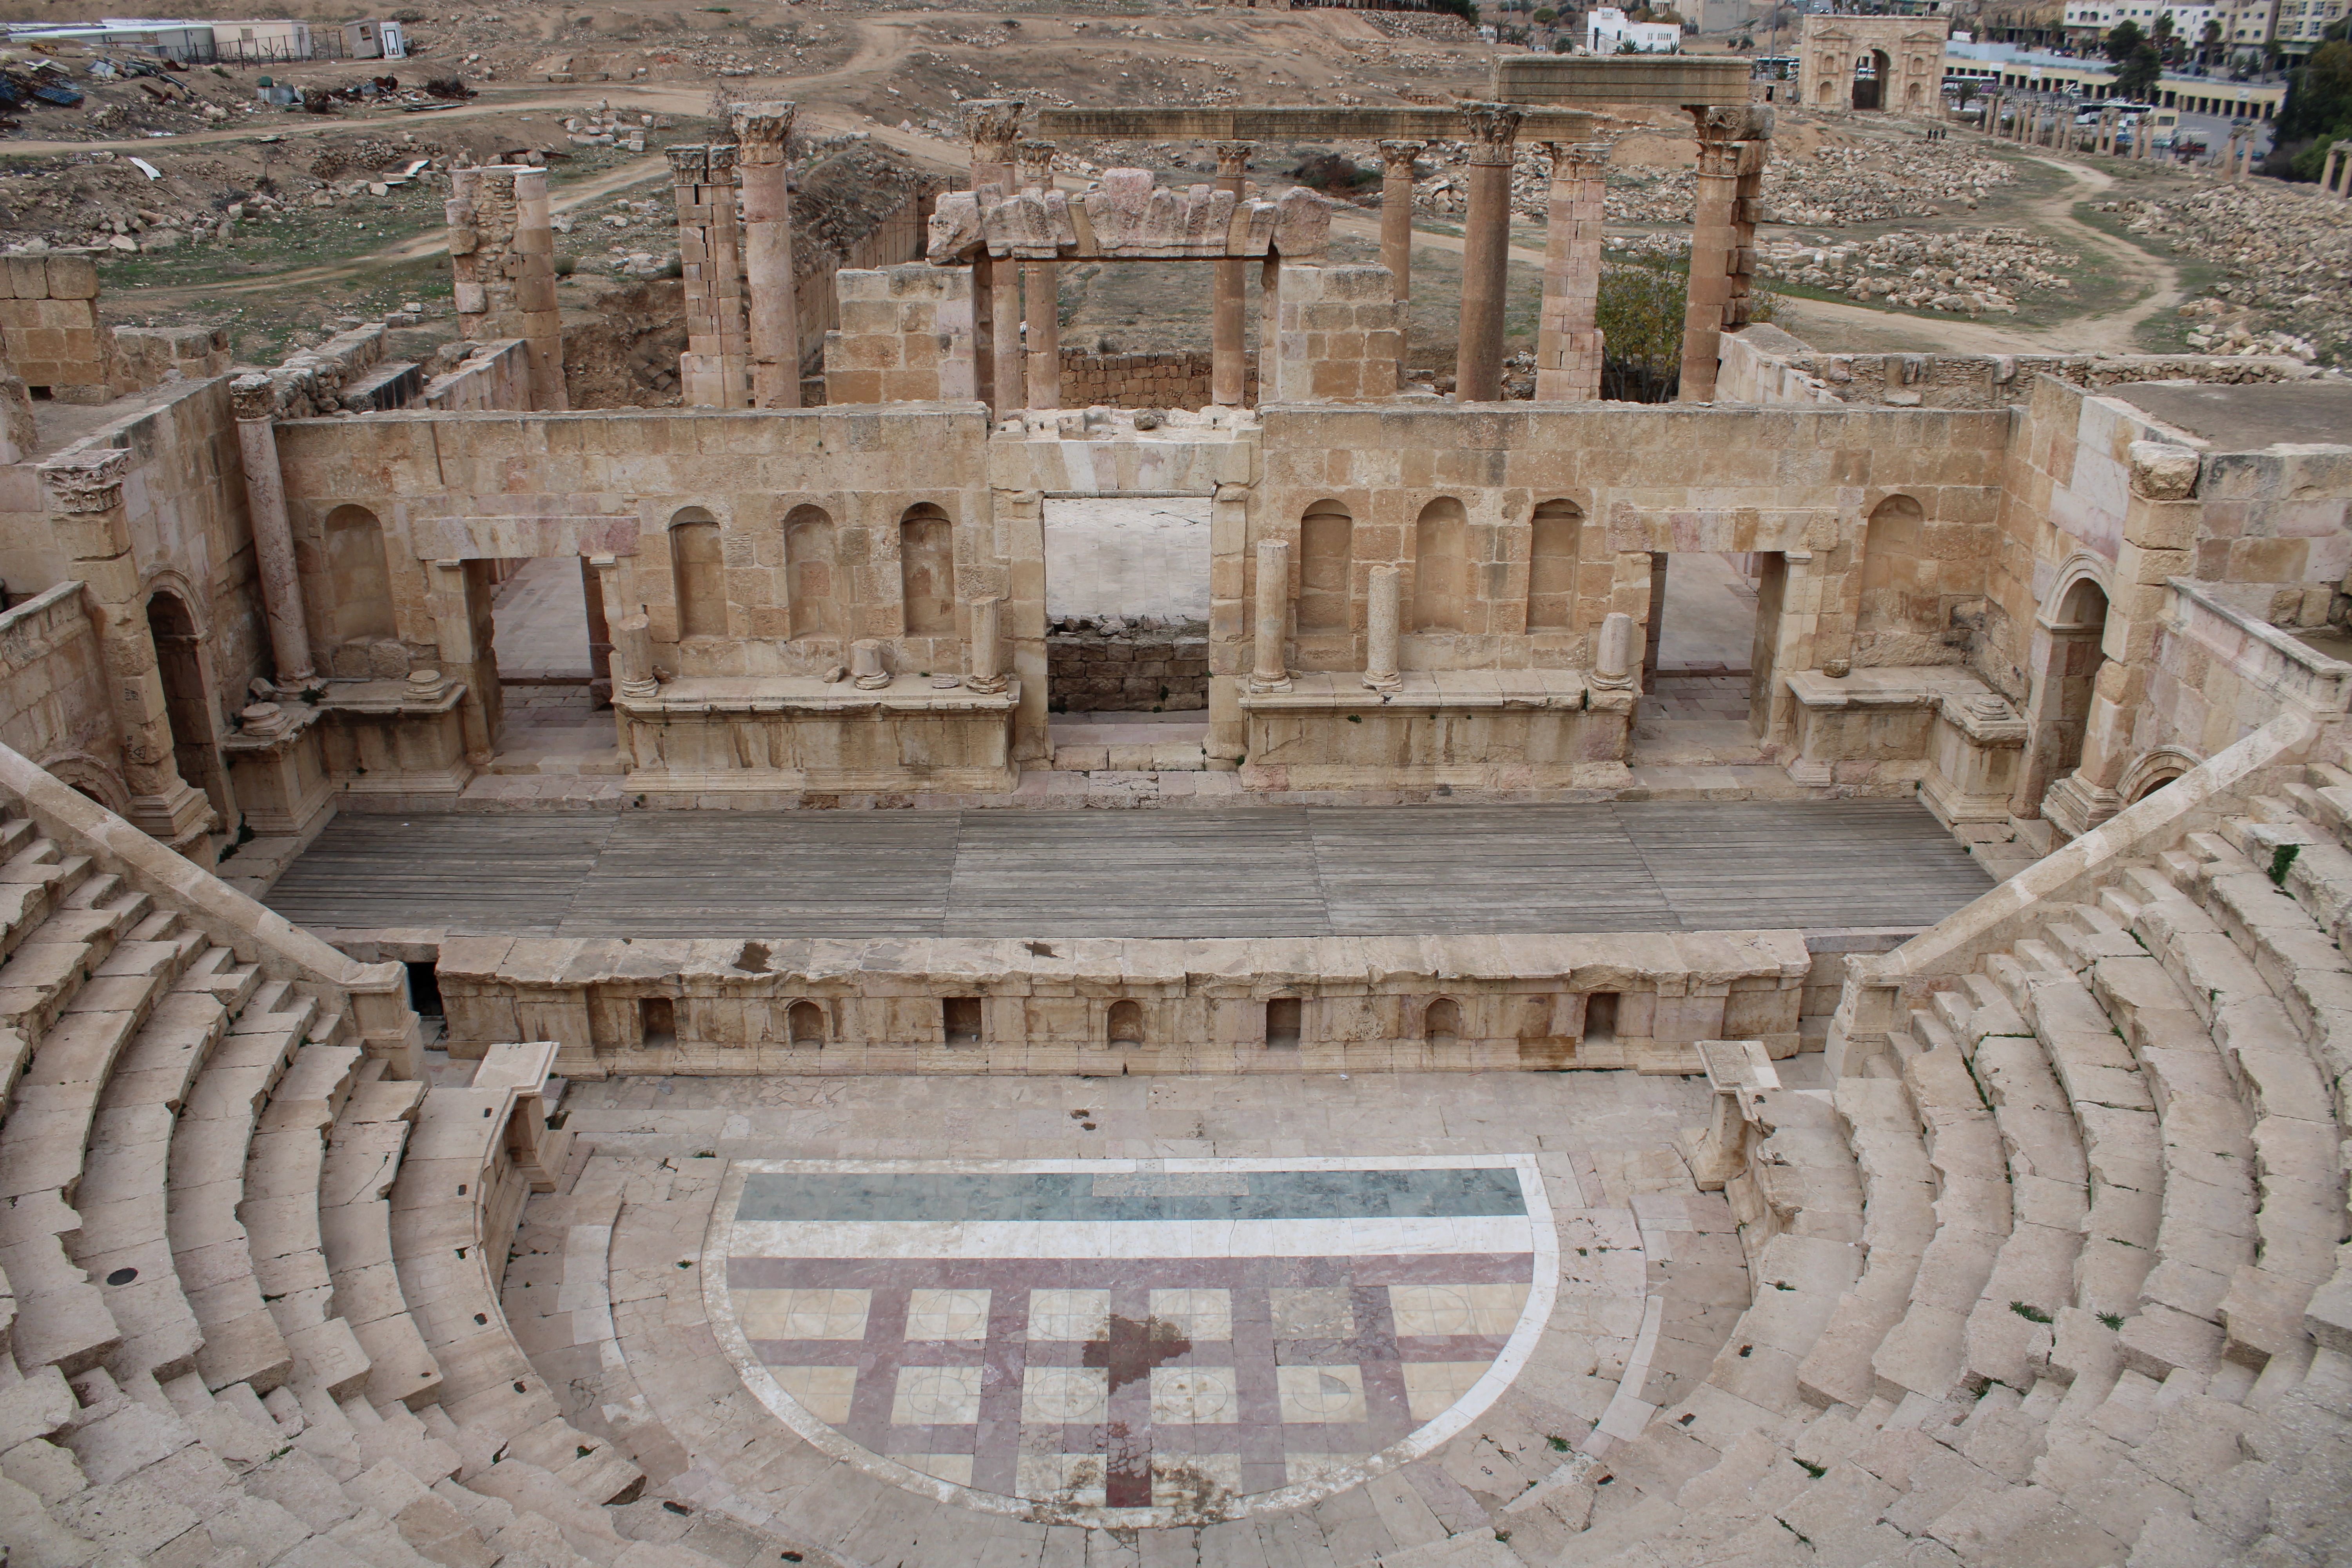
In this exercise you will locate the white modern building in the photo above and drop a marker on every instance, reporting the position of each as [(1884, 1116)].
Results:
[(1607, 32)]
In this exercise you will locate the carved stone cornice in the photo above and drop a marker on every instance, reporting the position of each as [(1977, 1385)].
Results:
[(87, 481), (992, 125), (1232, 157), (1492, 130), (688, 165), (761, 130)]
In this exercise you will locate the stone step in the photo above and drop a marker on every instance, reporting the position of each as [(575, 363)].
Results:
[(216, 972), (125, 1243), (42, 976), (209, 1243), (448, 1267), (363, 1154), (1899, 1218)]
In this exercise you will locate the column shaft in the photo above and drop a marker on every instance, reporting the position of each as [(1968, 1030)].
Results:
[(1383, 610), (534, 285), (762, 132), (1270, 668), (1396, 226), (1042, 285), (273, 532), (1493, 131), (1228, 361), (1004, 309), (1567, 344)]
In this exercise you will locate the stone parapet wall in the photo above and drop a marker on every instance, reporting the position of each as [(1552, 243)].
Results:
[(152, 355), (1179, 380), (1132, 669), (495, 375), (744, 1007)]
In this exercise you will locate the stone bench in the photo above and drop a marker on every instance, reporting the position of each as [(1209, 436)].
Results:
[(279, 1210), (1479, 729), (1899, 1218), (362, 1159)]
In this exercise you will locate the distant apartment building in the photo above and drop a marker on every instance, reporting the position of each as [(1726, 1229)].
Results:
[(1607, 31)]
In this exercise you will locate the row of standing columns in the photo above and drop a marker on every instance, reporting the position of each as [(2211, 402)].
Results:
[(1734, 146), (742, 324), (502, 261)]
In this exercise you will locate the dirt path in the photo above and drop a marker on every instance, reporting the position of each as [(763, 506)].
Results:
[(880, 45)]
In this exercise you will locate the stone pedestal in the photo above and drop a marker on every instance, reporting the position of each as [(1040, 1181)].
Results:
[(1878, 725), (396, 737), (1567, 344), (867, 671), (1742, 1074), (255, 398), (1492, 130), (1974, 751), (280, 769), (1613, 661), (1229, 368), (761, 134)]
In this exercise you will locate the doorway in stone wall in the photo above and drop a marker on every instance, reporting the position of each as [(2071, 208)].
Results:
[(1870, 73), (187, 704), (1699, 650), (547, 626), (1127, 632)]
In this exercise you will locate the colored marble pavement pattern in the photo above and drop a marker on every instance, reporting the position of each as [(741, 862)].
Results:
[(1131, 1344)]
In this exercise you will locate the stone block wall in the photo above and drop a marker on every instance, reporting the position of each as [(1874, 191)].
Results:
[(49, 329), (1126, 667), (494, 375), (53, 686), (1337, 335), (905, 336), (1303, 1005), (152, 355), (1764, 364), (1179, 380)]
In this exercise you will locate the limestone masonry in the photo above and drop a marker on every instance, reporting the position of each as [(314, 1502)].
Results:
[(903, 1037)]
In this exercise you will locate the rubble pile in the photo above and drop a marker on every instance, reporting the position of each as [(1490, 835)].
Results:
[(605, 126), (2288, 260), (1971, 274)]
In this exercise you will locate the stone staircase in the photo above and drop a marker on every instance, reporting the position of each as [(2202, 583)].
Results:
[(2095, 1303), (250, 1310)]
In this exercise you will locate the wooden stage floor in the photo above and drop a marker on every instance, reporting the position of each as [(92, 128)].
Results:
[(1286, 871)]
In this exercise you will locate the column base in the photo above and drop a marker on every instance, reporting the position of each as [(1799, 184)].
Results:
[(1391, 681), (1269, 684), (2074, 805), (179, 818)]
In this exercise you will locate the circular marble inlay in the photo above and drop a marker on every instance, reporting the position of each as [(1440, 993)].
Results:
[(1130, 1344)]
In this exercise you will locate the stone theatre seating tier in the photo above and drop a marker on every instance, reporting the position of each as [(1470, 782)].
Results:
[(220, 1258)]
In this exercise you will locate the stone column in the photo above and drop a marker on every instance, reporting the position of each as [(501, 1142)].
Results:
[(762, 132), (1041, 285), (86, 519), (994, 127), (1396, 212), (467, 295), (984, 652), (1228, 361), (1269, 670), (1612, 658), (460, 654), (633, 646), (867, 671), (1733, 145), (1492, 130), (1568, 343), (1269, 327), (600, 632), (715, 369), (255, 398), (532, 266), (1382, 612)]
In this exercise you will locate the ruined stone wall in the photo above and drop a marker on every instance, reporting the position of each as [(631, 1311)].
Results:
[(49, 329), (1124, 667), (859, 210), (53, 694), (905, 336), (1177, 380), (150, 356), (810, 508), (494, 375), (1766, 365)]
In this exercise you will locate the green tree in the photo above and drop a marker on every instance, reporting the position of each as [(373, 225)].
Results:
[(2317, 111), (2121, 42), (2209, 43), (2136, 77), (1545, 16)]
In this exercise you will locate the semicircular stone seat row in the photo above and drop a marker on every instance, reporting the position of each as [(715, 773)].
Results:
[(2064, 1278), (249, 1284)]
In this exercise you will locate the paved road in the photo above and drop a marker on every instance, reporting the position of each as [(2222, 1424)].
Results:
[(1246, 872)]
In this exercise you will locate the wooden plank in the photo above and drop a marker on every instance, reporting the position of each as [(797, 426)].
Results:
[(1246, 872)]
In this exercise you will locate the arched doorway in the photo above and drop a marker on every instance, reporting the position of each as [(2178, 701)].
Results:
[(1871, 71), (187, 703), (2067, 642)]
